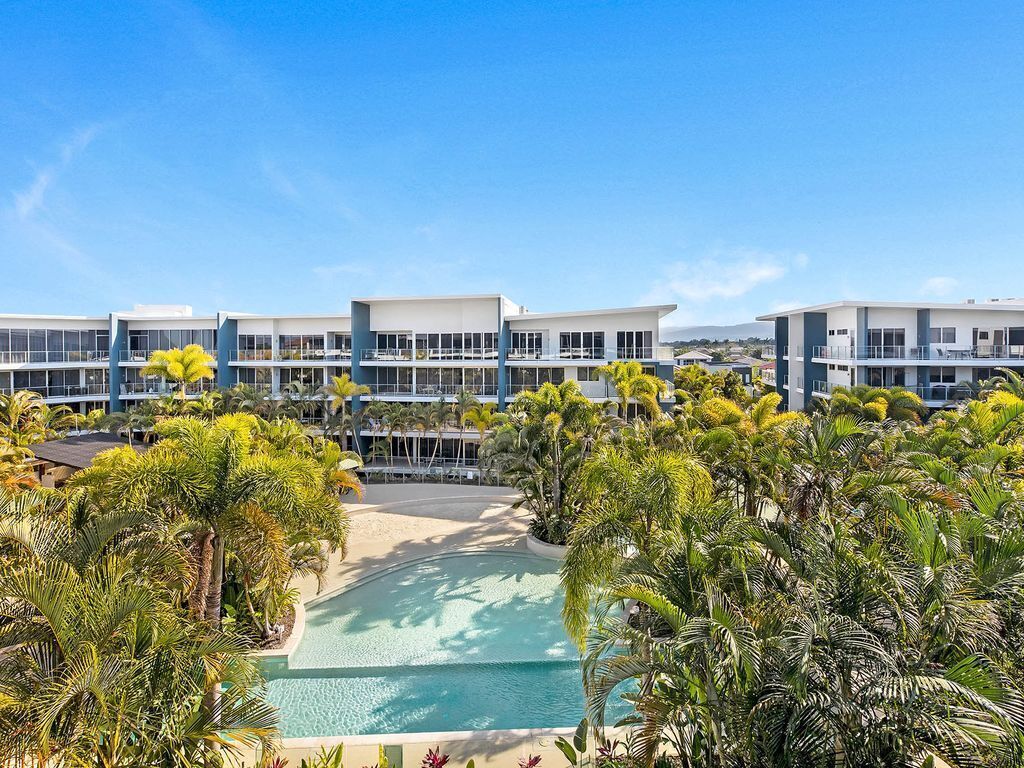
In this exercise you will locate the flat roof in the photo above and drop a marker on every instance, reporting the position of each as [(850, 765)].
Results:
[(318, 316), (80, 450), (95, 318), (661, 309), (462, 297), (1005, 305)]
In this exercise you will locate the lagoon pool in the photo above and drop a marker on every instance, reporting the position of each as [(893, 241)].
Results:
[(466, 641)]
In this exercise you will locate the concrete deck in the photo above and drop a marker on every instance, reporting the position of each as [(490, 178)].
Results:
[(402, 522)]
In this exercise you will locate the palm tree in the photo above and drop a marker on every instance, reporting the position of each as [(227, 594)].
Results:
[(26, 418), (631, 494), (875, 403), (183, 367), (743, 448), (438, 415), (217, 476), (127, 423), (483, 417), (340, 391), (540, 450), (464, 402), (631, 383), (101, 666)]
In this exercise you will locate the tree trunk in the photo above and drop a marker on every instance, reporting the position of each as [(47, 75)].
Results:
[(202, 553), (211, 699), (216, 585)]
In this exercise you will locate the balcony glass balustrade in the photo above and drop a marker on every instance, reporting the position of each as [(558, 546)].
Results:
[(77, 356)]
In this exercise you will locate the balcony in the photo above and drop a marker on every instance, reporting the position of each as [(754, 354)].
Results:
[(931, 353), (823, 388), (141, 356), (43, 358), (659, 353), (63, 391), (404, 355), (162, 388), (563, 353), (768, 377), (793, 351), (289, 355), (434, 390)]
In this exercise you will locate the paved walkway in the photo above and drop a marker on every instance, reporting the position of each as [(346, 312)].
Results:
[(401, 522)]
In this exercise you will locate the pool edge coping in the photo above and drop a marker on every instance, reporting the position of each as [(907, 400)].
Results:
[(418, 737)]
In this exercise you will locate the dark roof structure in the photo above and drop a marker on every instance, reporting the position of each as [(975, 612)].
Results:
[(80, 450)]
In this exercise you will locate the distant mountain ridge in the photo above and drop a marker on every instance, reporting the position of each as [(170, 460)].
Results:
[(761, 330)]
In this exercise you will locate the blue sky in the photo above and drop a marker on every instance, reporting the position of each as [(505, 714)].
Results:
[(731, 157)]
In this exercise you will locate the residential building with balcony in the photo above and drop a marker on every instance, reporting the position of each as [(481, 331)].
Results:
[(405, 349), (936, 350)]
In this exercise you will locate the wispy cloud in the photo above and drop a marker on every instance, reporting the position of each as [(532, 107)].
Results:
[(30, 200), (939, 286), (722, 275), (334, 271)]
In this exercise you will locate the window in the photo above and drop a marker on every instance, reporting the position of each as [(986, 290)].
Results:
[(393, 381), (587, 374), (394, 341), (887, 342), (342, 342), (307, 377), (634, 344), (526, 345), (531, 378), (944, 335), (453, 346), (261, 378), (942, 376), (576, 345), (254, 346), (301, 346)]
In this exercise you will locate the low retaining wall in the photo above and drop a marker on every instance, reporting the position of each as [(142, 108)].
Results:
[(493, 748)]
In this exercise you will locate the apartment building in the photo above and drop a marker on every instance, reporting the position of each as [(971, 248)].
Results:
[(412, 349), (935, 350)]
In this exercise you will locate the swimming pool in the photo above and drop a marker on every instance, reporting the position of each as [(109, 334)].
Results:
[(465, 641)]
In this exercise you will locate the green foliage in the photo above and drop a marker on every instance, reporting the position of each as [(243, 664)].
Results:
[(325, 758)]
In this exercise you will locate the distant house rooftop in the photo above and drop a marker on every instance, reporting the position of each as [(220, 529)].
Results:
[(693, 356), (78, 452)]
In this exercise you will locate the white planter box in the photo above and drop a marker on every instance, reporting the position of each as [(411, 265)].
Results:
[(543, 549)]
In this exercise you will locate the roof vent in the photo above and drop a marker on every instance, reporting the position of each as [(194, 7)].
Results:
[(968, 301)]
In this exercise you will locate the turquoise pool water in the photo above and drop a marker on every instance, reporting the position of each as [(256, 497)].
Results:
[(459, 642)]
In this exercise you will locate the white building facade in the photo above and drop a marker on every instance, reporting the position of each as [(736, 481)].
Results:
[(935, 350), (418, 349)]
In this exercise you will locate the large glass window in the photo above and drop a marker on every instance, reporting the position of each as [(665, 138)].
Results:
[(261, 378), (531, 378), (253, 346), (454, 346), (309, 377), (887, 342), (526, 345), (577, 345), (634, 344), (392, 381), (301, 346), (946, 335)]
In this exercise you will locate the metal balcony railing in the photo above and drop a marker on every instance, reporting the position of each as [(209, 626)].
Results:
[(562, 353), (143, 355), (453, 353), (63, 390), (481, 390), (390, 389), (158, 388), (78, 356)]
